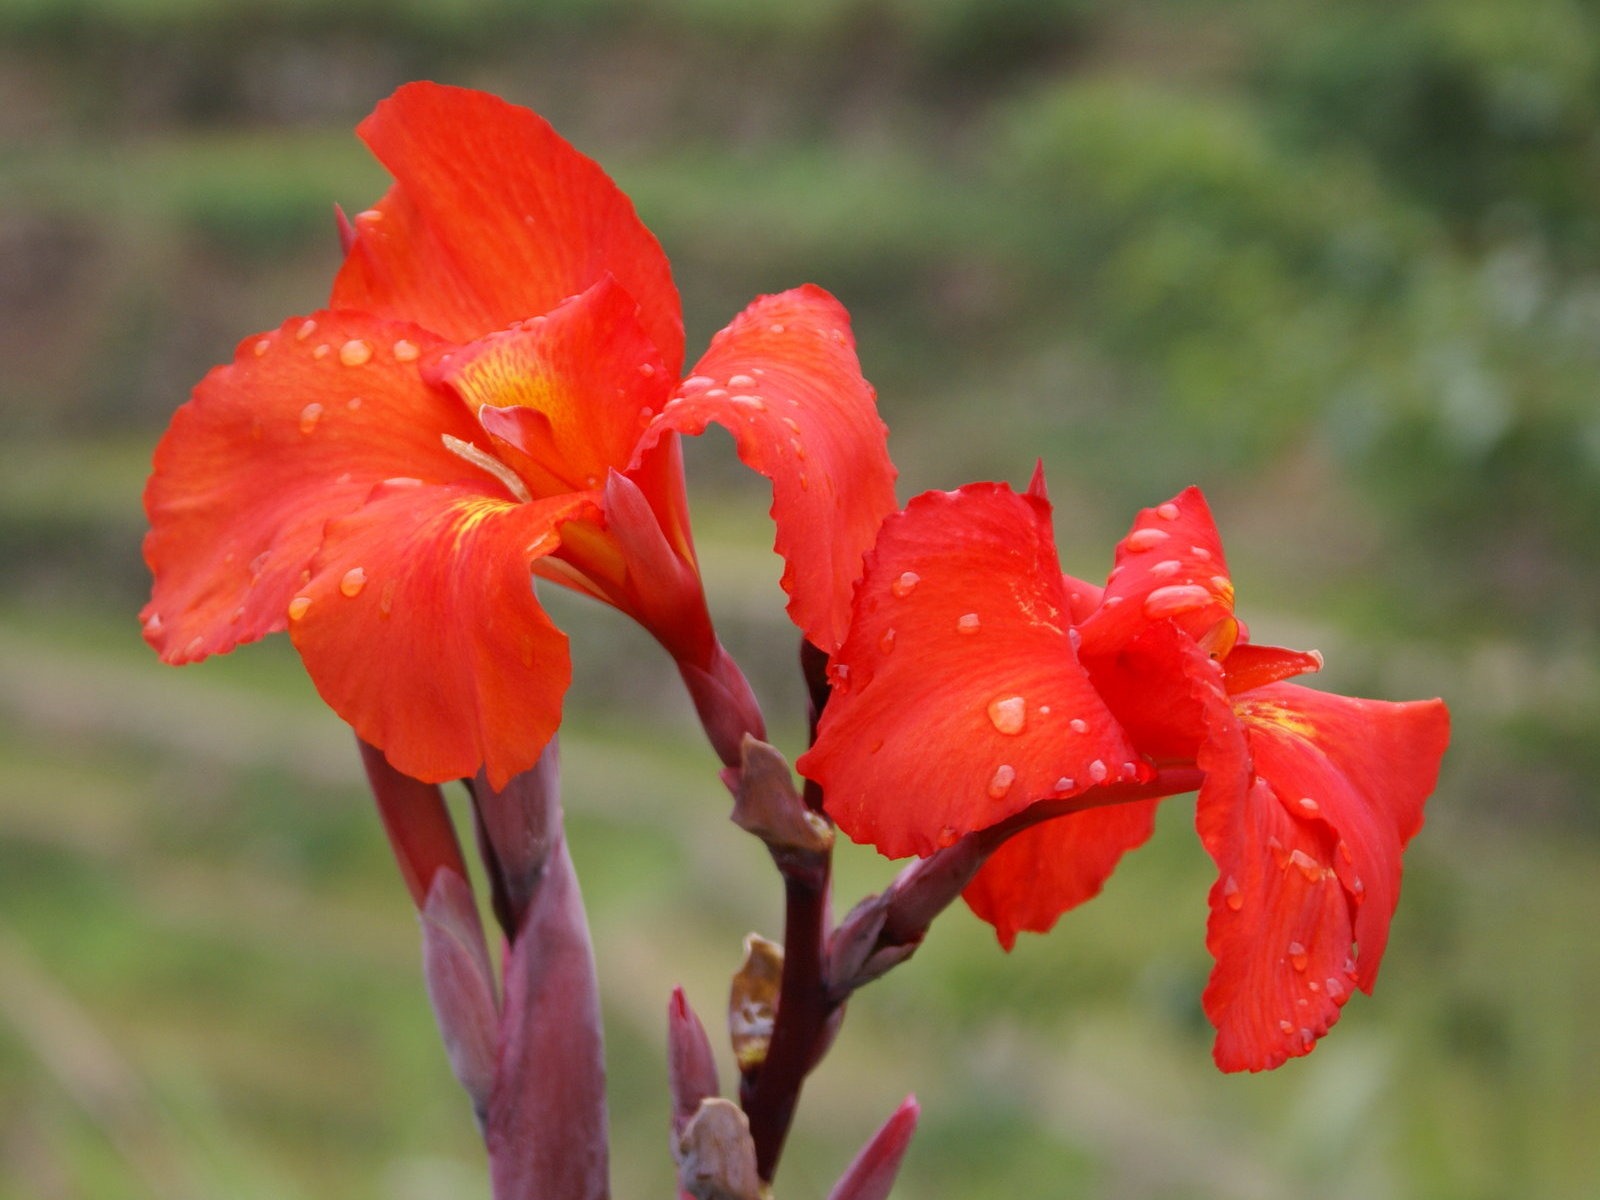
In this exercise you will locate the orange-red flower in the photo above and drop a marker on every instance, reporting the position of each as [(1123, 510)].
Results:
[(979, 681), (495, 391)]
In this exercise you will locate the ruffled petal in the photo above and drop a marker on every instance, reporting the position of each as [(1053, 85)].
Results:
[(1280, 927), (421, 629), (1054, 866), (1360, 770), (571, 391), (494, 218), (783, 378), (296, 431), (1170, 566), (957, 699)]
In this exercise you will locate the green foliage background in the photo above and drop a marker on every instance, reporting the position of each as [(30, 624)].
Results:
[(1337, 263)]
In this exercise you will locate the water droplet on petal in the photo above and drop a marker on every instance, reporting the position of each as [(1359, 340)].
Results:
[(192, 650), (353, 403), (794, 426), (1176, 599), (1298, 957), (1005, 775), (1358, 889), (322, 351), (1078, 725), (1309, 806), (1231, 895), (298, 606), (1075, 638), (354, 580), (1008, 714), (947, 836), (309, 416), (307, 328), (1201, 553), (905, 584), (775, 327), (753, 403), (405, 351), (1170, 566), (1167, 511), (1098, 771), (152, 625), (967, 623), (1064, 784), (695, 383), (386, 597), (741, 381), (1309, 867), (1335, 988), (355, 353), (1141, 540), (647, 369), (262, 346), (716, 394), (886, 642), (1286, 1026)]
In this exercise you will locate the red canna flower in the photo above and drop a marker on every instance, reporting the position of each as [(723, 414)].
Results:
[(980, 686), (494, 391)]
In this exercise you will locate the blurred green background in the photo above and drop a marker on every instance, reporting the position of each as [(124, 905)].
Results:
[(1337, 263)]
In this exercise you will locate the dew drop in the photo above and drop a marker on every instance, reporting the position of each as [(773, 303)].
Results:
[(1173, 600), (322, 351), (1044, 710), (905, 584), (1298, 957), (1358, 889), (238, 614), (1286, 1026), (354, 580), (753, 403), (298, 606), (799, 450), (1078, 725), (1308, 806), (695, 383), (262, 346), (259, 563), (1231, 895), (775, 327), (947, 836), (716, 394), (967, 623), (741, 381), (1064, 784), (805, 485), (1313, 985), (309, 416), (647, 369), (1141, 540), (405, 351), (1309, 867), (355, 353), (307, 328), (1075, 638), (1169, 566), (886, 642), (353, 403), (1167, 511), (152, 625), (1130, 770), (192, 650), (794, 426), (1098, 771), (1201, 553), (1008, 714), (1335, 988), (386, 597), (1004, 776)]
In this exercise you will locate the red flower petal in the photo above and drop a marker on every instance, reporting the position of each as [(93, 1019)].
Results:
[(1170, 566), (1300, 884), (1054, 866), (572, 391), (957, 698), (1249, 666), (420, 628), (1361, 769), (493, 218), (784, 379), (296, 431)]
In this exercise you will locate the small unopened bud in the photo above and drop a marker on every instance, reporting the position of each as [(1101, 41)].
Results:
[(872, 1173), (767, 805), (691, 1069)]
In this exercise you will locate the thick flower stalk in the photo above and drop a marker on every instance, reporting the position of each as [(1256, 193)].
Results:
[(495, 392), (981, 689)]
